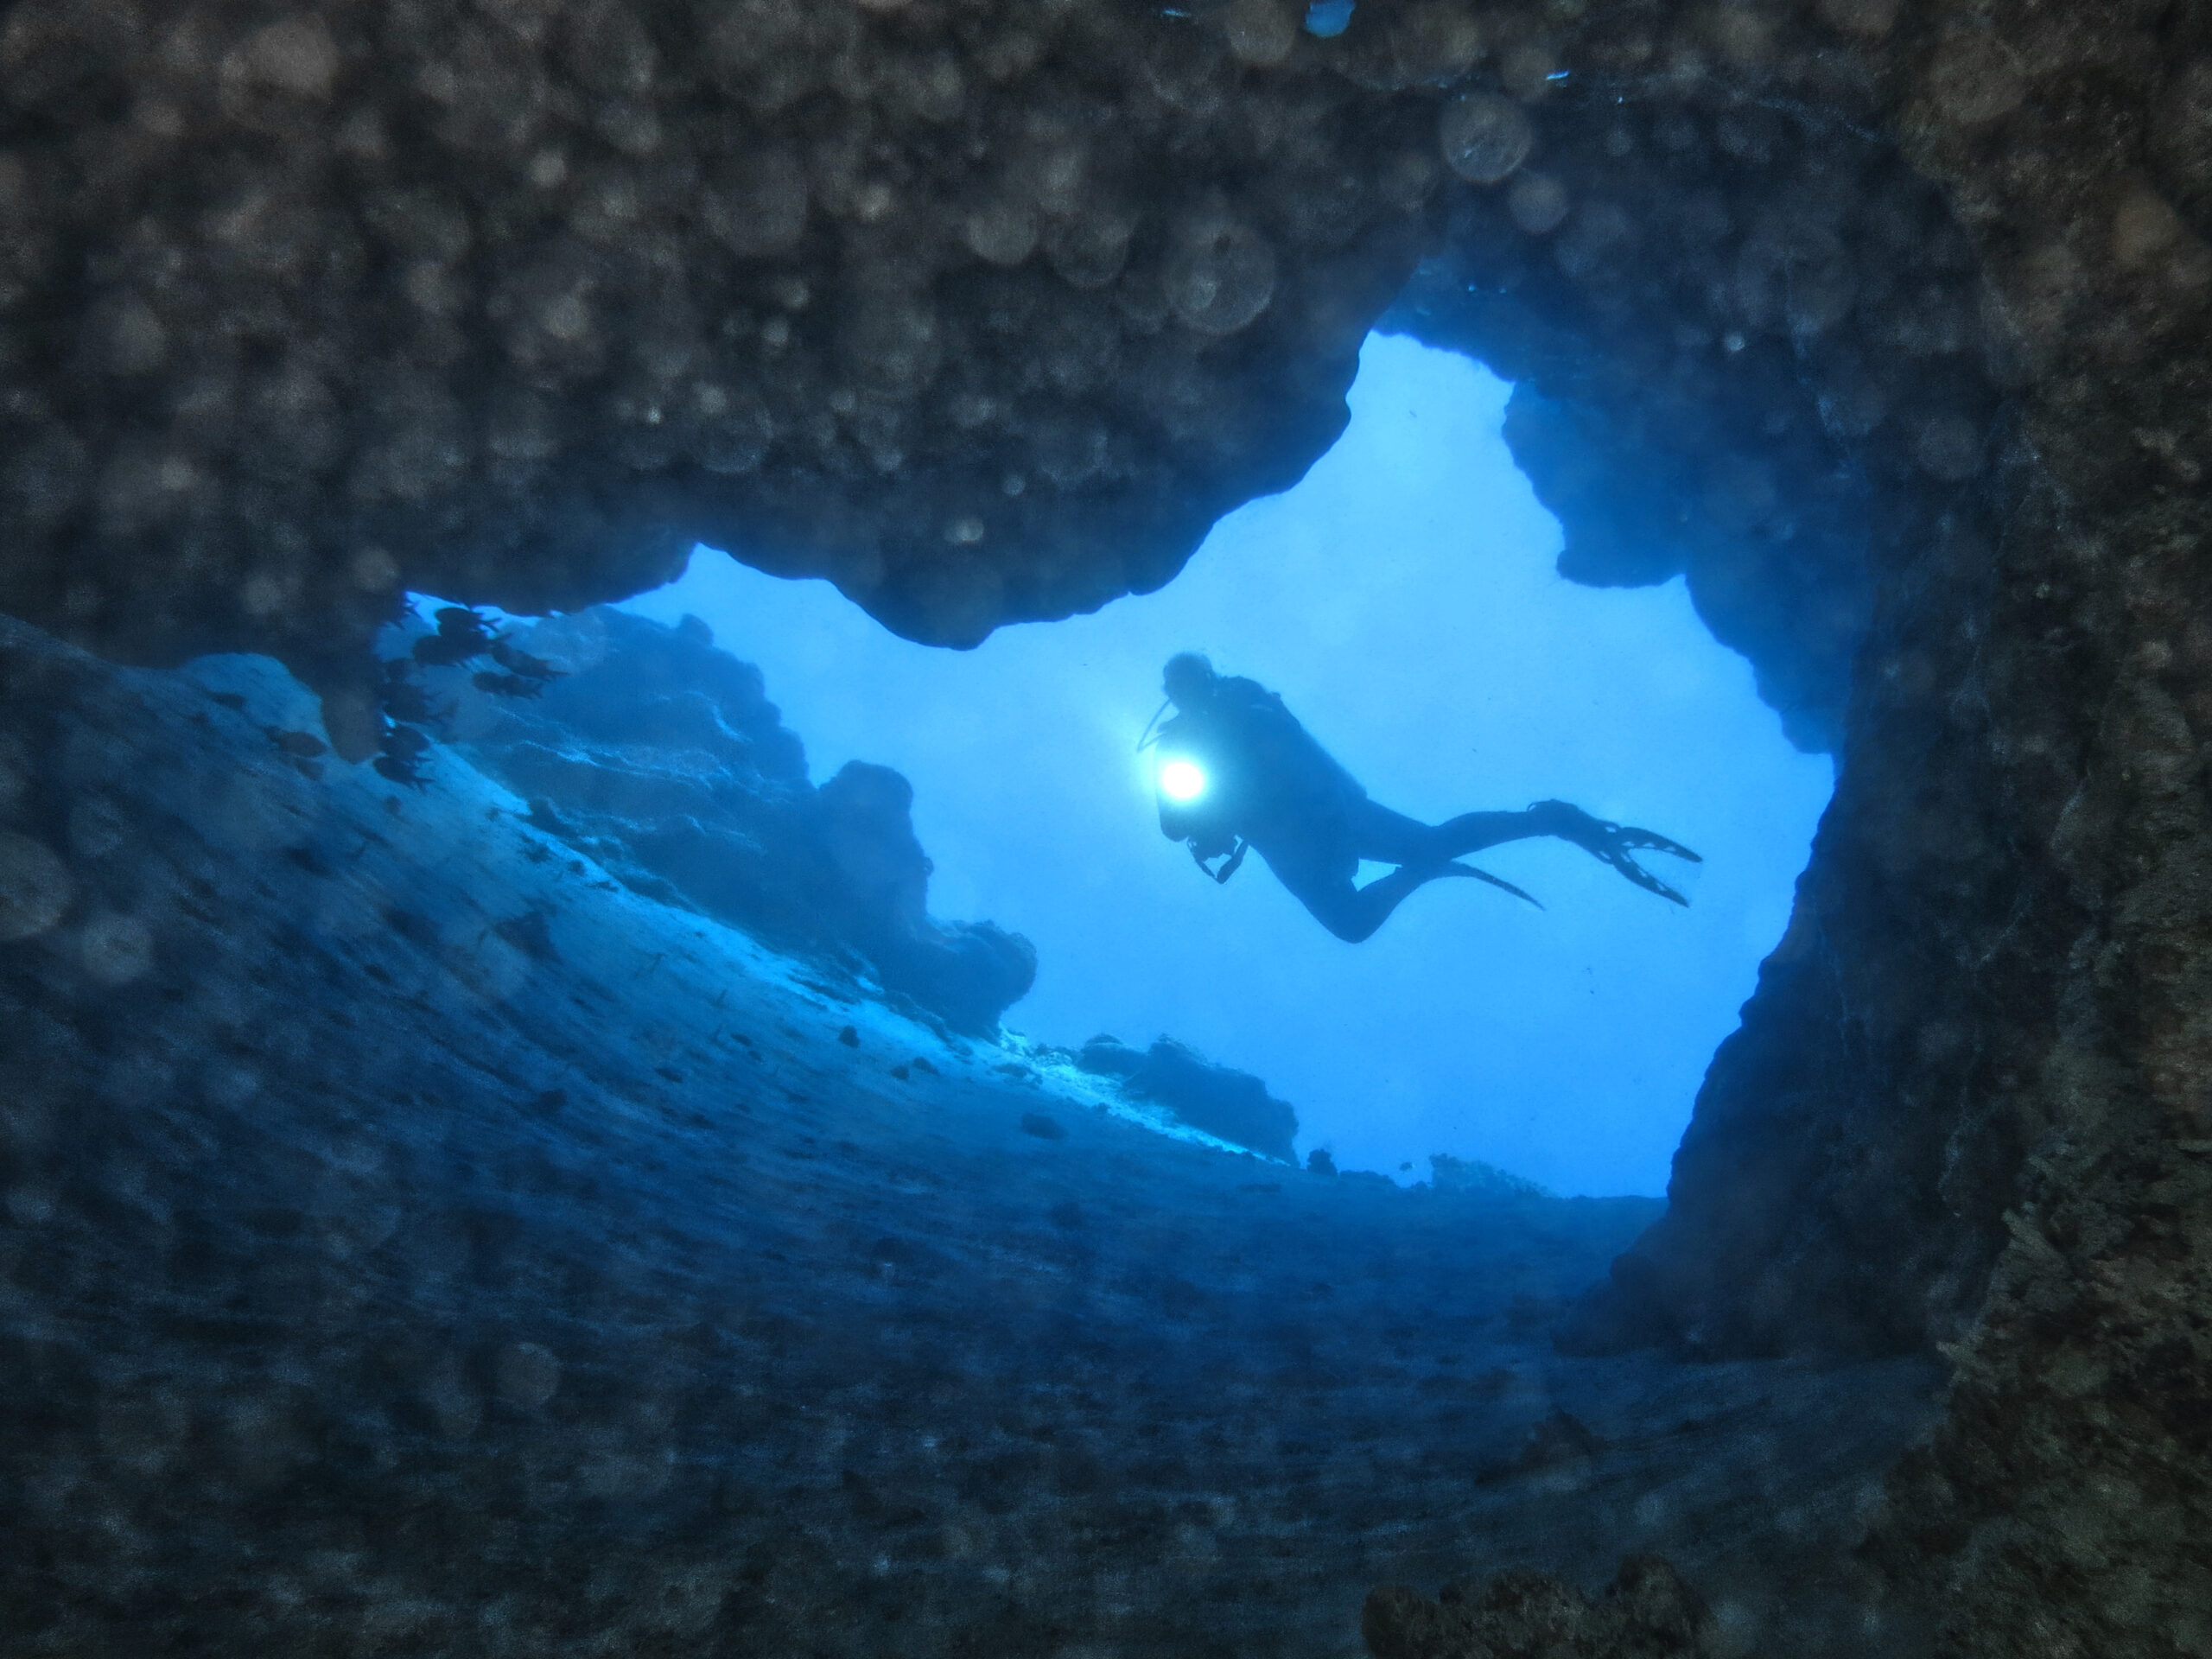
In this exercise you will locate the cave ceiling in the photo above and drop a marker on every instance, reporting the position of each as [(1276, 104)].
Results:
[(984, 312)]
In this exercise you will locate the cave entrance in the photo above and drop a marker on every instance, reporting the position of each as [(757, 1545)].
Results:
[(1404, 599)]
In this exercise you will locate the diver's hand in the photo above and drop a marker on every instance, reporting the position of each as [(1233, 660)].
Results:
[(1229, 865), (1610, 843)]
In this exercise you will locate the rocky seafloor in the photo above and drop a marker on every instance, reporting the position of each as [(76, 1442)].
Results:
[(414, 1241)]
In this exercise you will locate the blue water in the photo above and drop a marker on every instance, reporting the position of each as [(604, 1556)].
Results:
[(1328, 18), (1402, 598)]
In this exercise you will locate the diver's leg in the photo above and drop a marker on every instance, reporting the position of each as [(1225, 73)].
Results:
[(1473, 831), (1378, 834), (1616, 844), (1613, 843), (1388, 837), (1322, 881), (1350, 912), (1372, 904), (1393, 838)]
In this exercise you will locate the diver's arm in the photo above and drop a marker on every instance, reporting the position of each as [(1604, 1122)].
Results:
[(1204, 840)]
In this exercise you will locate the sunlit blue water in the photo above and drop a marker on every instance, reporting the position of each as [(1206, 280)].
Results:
[(1402, 599), (1328, 18)]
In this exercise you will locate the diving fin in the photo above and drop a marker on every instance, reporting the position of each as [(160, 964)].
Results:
[(1496, 881)]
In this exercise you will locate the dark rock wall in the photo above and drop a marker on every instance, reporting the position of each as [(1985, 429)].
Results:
[(662, 757), (959, 307), (1647, 1612), (2072, 1478), (985, 311), (1745, 345), (1984, 1039)]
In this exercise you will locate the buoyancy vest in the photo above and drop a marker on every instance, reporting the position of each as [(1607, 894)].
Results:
[(1262, 767)]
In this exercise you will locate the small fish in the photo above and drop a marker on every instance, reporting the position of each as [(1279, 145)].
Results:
[(507, 686), (301, 745), (402, 697), (400, 771), (400, 754), (517, 661), (462, 634)]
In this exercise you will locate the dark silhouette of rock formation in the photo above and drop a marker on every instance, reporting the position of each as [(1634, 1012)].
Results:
[(1450, 1175), (1219, 1099), (984, 312), (662, 757)]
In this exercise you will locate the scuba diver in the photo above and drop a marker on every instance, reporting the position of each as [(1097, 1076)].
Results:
[(1237, 772)]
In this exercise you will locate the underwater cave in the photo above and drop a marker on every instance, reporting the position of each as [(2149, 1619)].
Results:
[(495, 1157), (1565, 1043)]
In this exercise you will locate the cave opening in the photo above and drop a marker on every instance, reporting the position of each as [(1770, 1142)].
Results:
[(973, 1313), (346, 1211), (1451, 667)]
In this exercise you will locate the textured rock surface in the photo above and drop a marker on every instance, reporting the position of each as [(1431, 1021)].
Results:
[(299, 308), (1472, 1175), (662, 758), (984, 310), (1647, 1612), (1984, 1038), (411, 1241), (1219, 1099)]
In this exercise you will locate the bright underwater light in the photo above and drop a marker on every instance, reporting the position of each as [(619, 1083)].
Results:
[(1181, 780)]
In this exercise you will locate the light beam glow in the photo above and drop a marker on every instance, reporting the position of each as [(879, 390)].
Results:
[(1181, 780)]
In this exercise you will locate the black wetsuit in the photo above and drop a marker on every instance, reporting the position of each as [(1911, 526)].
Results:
[(1270, 783)]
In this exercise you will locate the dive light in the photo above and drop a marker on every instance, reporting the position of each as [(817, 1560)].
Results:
[(1182, 780)]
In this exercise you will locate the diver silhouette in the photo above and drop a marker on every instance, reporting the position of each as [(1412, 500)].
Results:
[(1237, 772)]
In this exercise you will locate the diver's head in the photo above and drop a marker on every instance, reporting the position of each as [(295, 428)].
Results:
[(1187, 678)]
